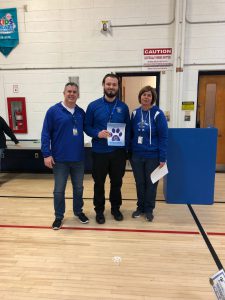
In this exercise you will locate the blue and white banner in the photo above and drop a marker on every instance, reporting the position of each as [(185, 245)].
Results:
[(9, 36)]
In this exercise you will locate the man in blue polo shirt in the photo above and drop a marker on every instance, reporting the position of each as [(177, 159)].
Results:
[(108, 123), (63, 150)]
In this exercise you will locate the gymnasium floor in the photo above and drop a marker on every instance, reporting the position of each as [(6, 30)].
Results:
[(133, 259)]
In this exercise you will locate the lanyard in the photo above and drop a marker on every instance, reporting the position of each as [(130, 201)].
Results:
[(112, 111), (149, 123), (142, 118), (73, 114), (74, 119)]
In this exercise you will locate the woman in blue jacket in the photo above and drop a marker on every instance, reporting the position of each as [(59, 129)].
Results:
[(149, 149)]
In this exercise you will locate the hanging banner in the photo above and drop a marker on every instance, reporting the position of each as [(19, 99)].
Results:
[(9, 36)]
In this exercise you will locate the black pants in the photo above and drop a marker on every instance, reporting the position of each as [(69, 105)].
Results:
[(1, 152), (112, 163)]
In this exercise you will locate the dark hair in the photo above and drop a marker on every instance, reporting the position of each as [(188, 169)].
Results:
[(145, 89), (112, 76), (72, 84)]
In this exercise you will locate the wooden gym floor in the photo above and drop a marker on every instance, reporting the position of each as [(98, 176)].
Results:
[(133, 259)]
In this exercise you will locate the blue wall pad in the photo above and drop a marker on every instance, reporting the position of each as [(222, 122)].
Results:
[(192, 165)]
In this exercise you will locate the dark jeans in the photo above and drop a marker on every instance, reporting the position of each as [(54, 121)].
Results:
[(114, 164), (61, 172), (146, 190)]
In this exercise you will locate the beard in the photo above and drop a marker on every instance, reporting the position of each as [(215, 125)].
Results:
[(110, 94)]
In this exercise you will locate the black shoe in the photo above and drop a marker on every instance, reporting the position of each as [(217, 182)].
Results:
[(82, 218), (100, 219), (137, 213), (117, 215), (57, 224), (149, 217)]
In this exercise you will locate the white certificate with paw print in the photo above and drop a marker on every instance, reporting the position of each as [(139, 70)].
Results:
[(117, 134)]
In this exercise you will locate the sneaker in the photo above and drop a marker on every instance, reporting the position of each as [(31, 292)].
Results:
[(100, 218), (57, 224), (83, 219), (149, 217), (117, 215), (137, 213)]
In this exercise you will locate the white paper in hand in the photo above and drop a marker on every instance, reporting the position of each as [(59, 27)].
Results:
[(158, 173), (218, 283)]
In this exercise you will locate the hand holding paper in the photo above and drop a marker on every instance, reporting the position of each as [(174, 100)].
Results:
[(158, 173)]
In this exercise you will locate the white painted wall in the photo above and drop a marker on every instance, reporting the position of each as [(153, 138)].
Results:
[(62, 38)]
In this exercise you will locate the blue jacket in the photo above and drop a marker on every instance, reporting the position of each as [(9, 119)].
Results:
[(98, 114), (153, 135), (58, 139)]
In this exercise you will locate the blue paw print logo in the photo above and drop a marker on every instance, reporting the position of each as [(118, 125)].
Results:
[(116, 134)]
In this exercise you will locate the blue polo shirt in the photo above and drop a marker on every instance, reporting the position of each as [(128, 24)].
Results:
[(98, 114), (62, 134)]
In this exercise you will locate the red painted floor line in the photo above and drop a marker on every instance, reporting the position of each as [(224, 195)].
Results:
[(215, 233), (114, 229), (102, 229)]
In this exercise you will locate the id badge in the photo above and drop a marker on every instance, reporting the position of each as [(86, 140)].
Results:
[(140, 139), (75, 131)]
